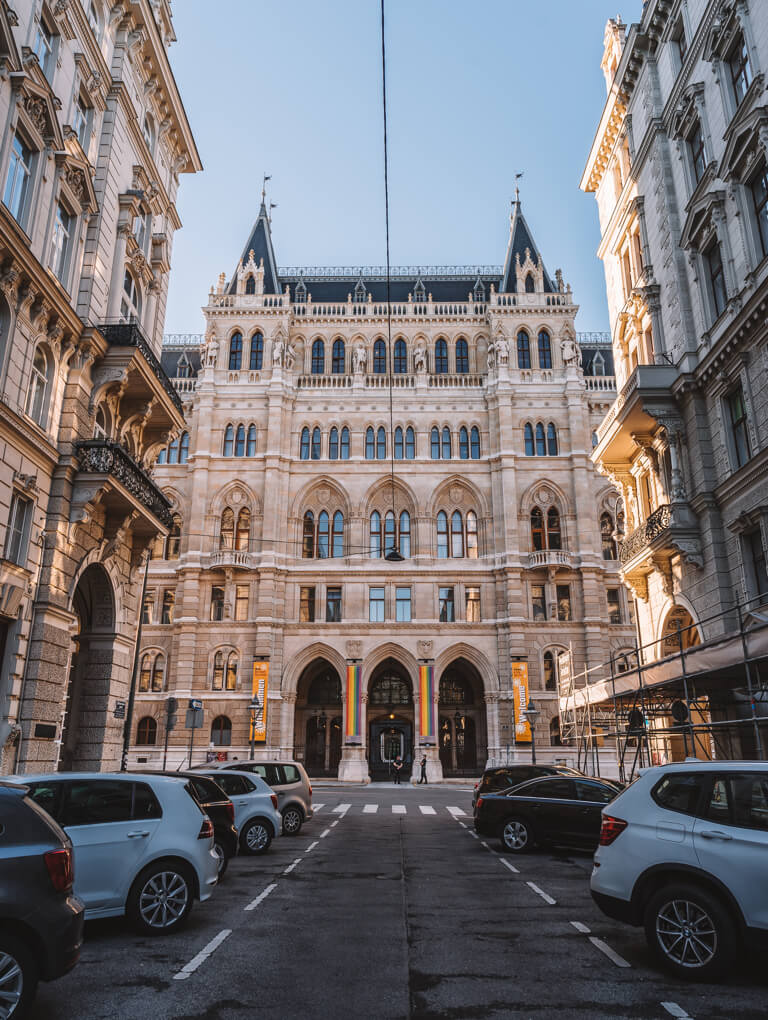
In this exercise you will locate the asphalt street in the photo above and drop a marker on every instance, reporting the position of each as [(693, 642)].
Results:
[(387, 905)]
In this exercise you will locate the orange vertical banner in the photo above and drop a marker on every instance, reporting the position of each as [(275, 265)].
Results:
[(259, 690), (520, 691)]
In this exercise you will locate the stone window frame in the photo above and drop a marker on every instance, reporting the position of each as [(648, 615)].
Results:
[(732, 20), (746, 523), (724, 384)]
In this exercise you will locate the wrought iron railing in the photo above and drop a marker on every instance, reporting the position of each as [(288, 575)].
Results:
[(641, 537), (103, 457), (130, 334)]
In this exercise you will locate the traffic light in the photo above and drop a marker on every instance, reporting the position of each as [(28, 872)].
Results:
[(171, 707)]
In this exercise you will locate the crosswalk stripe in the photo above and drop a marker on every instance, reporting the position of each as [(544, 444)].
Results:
[(398, 809), (316, 807), (456, 812), (426, 809), (370, 809), (341, 809)]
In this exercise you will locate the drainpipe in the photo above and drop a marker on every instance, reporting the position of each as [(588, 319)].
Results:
[(136, 650)]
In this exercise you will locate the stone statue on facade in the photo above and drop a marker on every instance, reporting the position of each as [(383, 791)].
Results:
[(491, 354), (570, 350), (278, 351), (358, 359), (212, 352), (289, 355), (420, 358), (502, 350)]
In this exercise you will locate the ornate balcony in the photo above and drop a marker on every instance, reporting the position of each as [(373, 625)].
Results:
[(240, 559), (549, 558), (130, 334), (670, 530), (110, 478)]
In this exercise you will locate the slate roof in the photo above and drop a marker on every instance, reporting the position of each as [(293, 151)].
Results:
[(588, 356), (260, 243), (171, 356), (520, 239)]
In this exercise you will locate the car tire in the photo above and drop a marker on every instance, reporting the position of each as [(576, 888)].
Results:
[(146, 908), (293, 820), (690, 932), (18, 975), (218, 849), (516, 836), (255, 837)]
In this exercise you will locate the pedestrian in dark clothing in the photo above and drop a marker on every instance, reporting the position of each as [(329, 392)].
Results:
[(397, 765), (423, 769)]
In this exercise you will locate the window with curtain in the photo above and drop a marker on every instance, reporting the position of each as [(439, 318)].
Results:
[(230, 679), (318, 357), (338, 357), (442, 535), (240, 441), (528, 437), (400, 361), (538, 536), (257, 352), (545, 349), (236, 352), (474, 439), (523, 348), (606, 537), (551, 440), (441, 357), (227, 532), (333, 444), (217, 679), (243, 534), (446, 443), (370, 446), (251, 451), (410, 444), (308, 536), (434, 443), (462, 356), (541, 442), (322, 534), (375, 534), (317, 443), (380, 358), (463, 443), (381, 444), (398, 443), (344, 443), (304, 448), (229, 440), (405, 534), (337, 542)]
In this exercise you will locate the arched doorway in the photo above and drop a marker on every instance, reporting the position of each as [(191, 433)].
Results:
[(679, 619), (84, 724), (390, 720), (461, 720), (317, 729)]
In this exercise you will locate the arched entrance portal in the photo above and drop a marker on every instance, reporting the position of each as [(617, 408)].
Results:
[(317, 729), (85, 712), (678, 619), (461, 720), (390, 721)]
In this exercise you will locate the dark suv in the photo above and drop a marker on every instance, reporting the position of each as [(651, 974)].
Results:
[(504, 777), (41, 922)]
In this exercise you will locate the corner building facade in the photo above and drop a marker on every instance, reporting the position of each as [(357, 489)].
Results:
[(317, 444)]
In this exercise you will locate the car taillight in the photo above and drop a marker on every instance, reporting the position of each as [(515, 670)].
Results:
[(61, 868), (310, 789), (206, 829), (273, 798), (611, 829), (479, 802), (231, 812)]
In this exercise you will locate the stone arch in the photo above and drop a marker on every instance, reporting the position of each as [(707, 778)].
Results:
[(94, 559), (553, 494), (453, 492), (462, 716), (677, 610), (462, 650), (380, 492), (226, 496), (390, 650), (312, 496), (304, 658)]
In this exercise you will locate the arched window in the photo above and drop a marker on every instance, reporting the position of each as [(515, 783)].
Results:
[(240, 441), (390, 536), (229, 440), (555, 738), (471, 534), (322, 535), (304, 448), (398, 443), (410, 444), (457, 535), (184, 448), (130, 302), (149, 132), (337, 357), (308, 536), (463, 443), (158, 673), (380, 358), (221, 731), (551, 440), (251, 450), (400, 366), (217, 680), (39, 387), (475, 442), (162, 457), (236, 352), (345, 443), (441, 357), (446, 444), (462, 356), (538, 537), (227, 532), (230, 678), (530, 285), (598, 364), (541, 442), (318, 357), (370, 449), (553, 529), (243, 535), (523, 349), (550, 676), (545, 349), (442, 535), (528, 434), (145, 673), (405, 534), (257, 352), (595, 440), (381, 444), (333, 444), (146, 731), (173, 451), (337, 543), (173, 542), (434, 443), (606, 537), (317, 443), (250, 284), (375, 534)]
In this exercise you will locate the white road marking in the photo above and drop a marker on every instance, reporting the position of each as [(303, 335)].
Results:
[(311, 847), (262, 896), (335, 823), (463, 825), (341, 809), (674, 1010), (189, 968), (485, 845), (426, 809), (612, 955), (398, 809), (540, 892), (511, 867), (456, 812), (580, 927), (324, 834), (290, 867), (370, 809), (473, 834), (316, 807)]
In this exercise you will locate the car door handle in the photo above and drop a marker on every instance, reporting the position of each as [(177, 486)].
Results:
[(137, 835), (714, 834), (242, 803)]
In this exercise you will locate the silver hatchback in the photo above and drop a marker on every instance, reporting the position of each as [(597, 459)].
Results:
[(291, 784)]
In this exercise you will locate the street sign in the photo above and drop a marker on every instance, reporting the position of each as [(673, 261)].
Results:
[(119, 710), (195, 703), (194, 718)]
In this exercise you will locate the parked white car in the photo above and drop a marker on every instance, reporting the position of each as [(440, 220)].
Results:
[(143, 846), (684, 852), (256, 816)]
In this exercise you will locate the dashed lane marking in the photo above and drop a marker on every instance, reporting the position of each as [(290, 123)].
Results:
[(290, 867), (341, 809), (540, 892), (485, 845), (612, 955), (456, 812), (370, 809), (324, 834), (426, 809), (398, 809), (511, 867), (581, 927), (189, 968), (311, 847), (333, 824), (463, 825), (473, 834), (262, 896), (674, 1010)]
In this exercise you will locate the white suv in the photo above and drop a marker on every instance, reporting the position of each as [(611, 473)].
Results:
[(684, 852)]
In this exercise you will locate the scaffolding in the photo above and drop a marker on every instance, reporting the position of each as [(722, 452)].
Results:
[(706, 698)]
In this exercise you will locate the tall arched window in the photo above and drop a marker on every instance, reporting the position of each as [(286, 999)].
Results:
[(530, 284), (146, 731), (471, 534), (317, 443), (541, 443), (370, 446), (304, 448), (390, 536), (251, 451), (380, 358), (551, 440), (410, 444), (538, 537), (441, 357), (545, 349), (400, 366), (217, 680), (318, 357), (173, 451), (375, 534), (236, 352), (227, 532), (240, 441), (554, 538), (405, 534), (398, 443), (39, 387), (550, 675), (229, 440), (606, 537), (130, 302), (442, 535), (337, 541), (523, 350), (322, 535), (184, 448), (257, 352), (173, 542), (333, 444), (158, 673), (221, 731), (243, 535), (230, 677), (250, 284), (152, 672), (434, 443), (446, 443), (457, 535), (308, 536), (463, 443), (462, 356), (345, 443), (381, 444), (337, 357), (528, 434), (475, 442)]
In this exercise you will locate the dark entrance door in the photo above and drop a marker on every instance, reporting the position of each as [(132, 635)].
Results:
[(388, 738)]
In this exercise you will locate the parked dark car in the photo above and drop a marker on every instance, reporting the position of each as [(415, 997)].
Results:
[(41, 927), (504, 777), (551, 809)]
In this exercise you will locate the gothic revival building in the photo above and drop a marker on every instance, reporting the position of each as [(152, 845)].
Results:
[(95, 137), (391, 503)]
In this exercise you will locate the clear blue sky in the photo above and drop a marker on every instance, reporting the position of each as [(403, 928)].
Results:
[(476, 92)]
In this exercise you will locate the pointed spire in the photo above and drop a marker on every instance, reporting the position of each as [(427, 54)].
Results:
[(520, 243), (260, 245)]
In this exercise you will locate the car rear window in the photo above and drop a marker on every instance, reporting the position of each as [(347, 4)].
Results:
[(233, 785), (595, 792), (291, 773), (562, 789), (269, 773), (145, 803), (740, 800), (680, 791), (48, 797), (206, 790), (97, 802)]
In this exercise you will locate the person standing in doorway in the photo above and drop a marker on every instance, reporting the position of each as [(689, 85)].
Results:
[(423, 769), (397, 767)]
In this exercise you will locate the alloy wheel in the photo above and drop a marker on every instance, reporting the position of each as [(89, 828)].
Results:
[(291, 822), (11, 985), (686, 933), (515, 835), (218, 849), (256, 837), (163, 899)]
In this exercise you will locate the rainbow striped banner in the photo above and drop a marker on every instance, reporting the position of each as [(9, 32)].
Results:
[(352, 734), (426, 696)]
